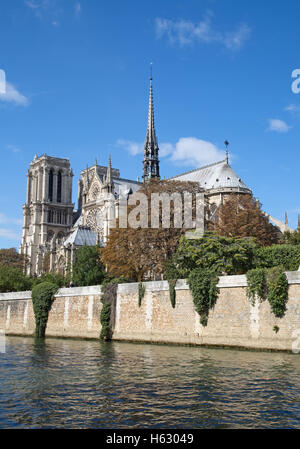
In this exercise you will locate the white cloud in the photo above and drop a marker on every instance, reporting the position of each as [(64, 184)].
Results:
[(9, 234), (77, 8), (278, 126), (4, 219), (193, 151), (185, 32), (12, 95), (13, 149), (187, 151), (132, 147)]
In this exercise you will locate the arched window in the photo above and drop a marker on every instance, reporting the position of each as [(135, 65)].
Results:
[(59, 187), (50, 187)]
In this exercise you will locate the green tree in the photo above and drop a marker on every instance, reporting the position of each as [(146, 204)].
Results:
[(271, 256), (226, 255), (13, 279), (291, 238), (88, 268)]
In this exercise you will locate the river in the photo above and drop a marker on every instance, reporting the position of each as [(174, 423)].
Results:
[(88, 384)]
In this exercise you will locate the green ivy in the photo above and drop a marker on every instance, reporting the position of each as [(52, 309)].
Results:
[(142, 290), (42, 300), (277, 285), (256, 284), (203, 285), (172, 275), (108, 300), (269, 284), (172, 291)]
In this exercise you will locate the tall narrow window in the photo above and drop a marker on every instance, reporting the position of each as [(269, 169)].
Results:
[(50, 188), (59, 187)]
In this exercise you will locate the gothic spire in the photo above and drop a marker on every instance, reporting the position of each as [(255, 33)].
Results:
[(108, 179), (151, 162)]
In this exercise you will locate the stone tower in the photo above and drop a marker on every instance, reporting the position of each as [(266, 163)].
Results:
[(151, 162), (48, 211)]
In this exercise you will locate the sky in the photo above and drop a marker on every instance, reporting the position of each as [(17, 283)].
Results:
[(77, 86)]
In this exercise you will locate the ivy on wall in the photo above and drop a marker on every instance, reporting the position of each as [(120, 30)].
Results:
[(203, 285), (141, 290), (42, 300), (270, 284), (107, 313)]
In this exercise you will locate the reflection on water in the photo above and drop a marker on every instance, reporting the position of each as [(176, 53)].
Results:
[(69, 383)]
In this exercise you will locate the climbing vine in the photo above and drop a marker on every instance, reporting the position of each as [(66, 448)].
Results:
[(142, 290), (42, 300), (203, 285), (256, 284), (172, 291), (277, 285), (106, 316), (269, 284)]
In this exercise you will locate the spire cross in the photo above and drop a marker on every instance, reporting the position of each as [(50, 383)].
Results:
[(227, 153), (151, 70)]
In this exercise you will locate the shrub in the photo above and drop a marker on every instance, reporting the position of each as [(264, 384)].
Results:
[(272, 256), (42, 299)]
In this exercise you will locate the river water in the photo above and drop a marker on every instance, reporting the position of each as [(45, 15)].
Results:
[(88, 384)]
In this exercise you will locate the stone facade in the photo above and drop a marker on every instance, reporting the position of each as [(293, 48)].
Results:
[(234, 322), (48, 211)]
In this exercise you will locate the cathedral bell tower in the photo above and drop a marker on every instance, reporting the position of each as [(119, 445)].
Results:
[(48, 211), (151, 162)]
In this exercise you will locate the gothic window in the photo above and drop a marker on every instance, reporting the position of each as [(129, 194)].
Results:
[(60, 238), (59, 178), (50, 236), (50, 189), (58, 217)]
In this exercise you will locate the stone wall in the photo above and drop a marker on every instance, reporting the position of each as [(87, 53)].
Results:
[(74, 313), (233, 321)]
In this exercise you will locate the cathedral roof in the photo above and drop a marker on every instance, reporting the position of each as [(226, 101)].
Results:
[(214, 176), (81, 236)]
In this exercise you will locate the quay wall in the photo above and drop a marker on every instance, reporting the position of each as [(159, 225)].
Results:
[(233, 322)]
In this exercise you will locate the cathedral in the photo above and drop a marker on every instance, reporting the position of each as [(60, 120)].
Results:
[(53, 229)]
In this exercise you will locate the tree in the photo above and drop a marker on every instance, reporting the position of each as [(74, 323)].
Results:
[(241, 216), (88, 268), (10, 257), (139, 253), (214, 253), (291, 237), (13, 279)]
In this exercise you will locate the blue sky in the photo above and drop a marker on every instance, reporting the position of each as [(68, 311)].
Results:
[(77, 77)]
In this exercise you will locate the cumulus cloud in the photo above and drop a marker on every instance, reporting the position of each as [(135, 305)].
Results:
[(197, 152), (186, 32), (189, 151), (278, 126), (12, 95)]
